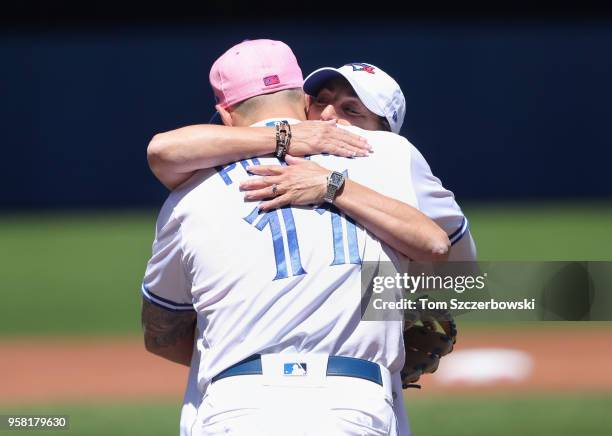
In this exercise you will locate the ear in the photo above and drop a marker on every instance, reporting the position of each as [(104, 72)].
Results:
[(226, 116), (307, 103)]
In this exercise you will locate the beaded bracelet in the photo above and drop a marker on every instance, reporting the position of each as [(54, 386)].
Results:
[(283, 138)]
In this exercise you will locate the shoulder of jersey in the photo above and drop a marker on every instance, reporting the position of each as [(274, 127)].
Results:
[(185, 190)]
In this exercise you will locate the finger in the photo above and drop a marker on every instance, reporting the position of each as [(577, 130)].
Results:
[(259, 183), (410, 375), (258, 194), (417, 360), (353, 140), (261, 194), (432, 364), (292, 160), (422, 339), (280, 201), (355, 151), (414, 366), (408, 324), (411, 317), (265, 170), (450, 328), (429, 323), (346, 151), (445, 319)]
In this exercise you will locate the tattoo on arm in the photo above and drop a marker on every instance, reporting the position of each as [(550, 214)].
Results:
[(164, 328)]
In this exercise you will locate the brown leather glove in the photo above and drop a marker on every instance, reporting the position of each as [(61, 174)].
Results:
[(425, 345)]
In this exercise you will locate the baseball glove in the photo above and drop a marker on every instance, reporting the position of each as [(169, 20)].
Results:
[(425, 344)]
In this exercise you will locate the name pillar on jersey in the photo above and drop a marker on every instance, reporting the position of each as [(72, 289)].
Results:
[(223, 170)]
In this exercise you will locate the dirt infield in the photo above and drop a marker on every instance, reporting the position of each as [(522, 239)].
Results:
[(90, 369)]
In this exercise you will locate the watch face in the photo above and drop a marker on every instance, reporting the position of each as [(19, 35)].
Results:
[(335, 178)]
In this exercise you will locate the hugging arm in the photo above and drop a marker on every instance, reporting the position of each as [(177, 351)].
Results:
[(175, 155), (168, 334), (398, 224), (304, 182)]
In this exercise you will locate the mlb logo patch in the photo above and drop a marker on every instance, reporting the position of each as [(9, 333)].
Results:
[(294, 368), (271, 80)]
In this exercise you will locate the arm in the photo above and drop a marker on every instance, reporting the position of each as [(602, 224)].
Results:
[(439, 204), (398, 224), (175, 155), (168, 317), (168, 334)]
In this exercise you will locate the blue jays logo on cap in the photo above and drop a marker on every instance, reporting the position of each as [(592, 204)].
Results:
[(395, 116), (362, 67), (294, 368)]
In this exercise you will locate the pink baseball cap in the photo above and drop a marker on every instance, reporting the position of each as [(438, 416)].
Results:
[(251, 68)]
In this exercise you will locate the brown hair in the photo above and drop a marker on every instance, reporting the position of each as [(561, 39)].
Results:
[(384, 124)]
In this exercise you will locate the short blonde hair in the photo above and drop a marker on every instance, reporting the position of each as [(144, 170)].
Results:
[(293, 95)]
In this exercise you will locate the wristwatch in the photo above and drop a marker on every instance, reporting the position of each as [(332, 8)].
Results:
[(334, 183)]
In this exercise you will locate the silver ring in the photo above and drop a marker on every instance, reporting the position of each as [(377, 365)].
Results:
[(354, 154), (274, 189)]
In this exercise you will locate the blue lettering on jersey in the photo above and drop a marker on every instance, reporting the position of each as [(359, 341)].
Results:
[(245, 163), (338, 235), (223, 170), (271, 219)]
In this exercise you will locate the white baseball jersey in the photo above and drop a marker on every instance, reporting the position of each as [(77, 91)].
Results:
[(175, 270), (283, 281), (439, 204)]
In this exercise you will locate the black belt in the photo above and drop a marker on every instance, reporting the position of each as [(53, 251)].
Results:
[(336, 366)]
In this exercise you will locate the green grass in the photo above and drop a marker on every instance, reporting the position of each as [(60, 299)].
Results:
[(524, 415), (80, 273), (535, 232), (109, 419), (73, 274)]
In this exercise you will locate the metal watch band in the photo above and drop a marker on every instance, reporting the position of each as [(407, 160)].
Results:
[(335, 181)]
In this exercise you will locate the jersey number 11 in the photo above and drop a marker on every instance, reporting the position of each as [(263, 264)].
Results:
[(272, 219)]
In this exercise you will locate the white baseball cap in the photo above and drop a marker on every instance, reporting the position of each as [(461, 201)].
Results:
[(375, 88)]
